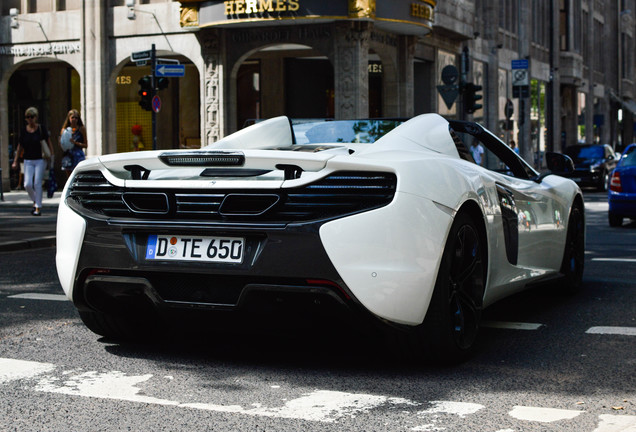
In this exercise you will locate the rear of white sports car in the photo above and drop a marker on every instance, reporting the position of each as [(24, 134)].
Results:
[(256, 224)]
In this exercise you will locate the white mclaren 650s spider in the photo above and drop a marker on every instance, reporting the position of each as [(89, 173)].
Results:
[(388, 221)]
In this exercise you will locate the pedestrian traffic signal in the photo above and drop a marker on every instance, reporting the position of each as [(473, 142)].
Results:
[(471, 96), (145, 91)]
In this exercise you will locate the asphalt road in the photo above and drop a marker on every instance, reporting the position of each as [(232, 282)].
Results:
[(546, 363)]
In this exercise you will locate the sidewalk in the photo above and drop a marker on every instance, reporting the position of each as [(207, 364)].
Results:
[(19, 229)]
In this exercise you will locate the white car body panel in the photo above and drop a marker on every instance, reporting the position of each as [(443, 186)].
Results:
[(68, 237)]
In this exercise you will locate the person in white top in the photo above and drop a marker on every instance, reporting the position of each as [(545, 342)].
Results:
[(477, 151)]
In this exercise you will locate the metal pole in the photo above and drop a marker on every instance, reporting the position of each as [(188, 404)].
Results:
[(153, 92)]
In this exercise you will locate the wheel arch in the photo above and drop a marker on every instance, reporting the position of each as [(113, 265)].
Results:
[(475, 212)]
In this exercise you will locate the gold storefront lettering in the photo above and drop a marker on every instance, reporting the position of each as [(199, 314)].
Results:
[(419, 10), (124, 79), (234, 7)]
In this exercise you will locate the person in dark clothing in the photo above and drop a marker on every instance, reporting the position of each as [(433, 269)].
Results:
[(34, 163)]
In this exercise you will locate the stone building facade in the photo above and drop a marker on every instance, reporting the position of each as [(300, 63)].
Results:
[(251, 59)]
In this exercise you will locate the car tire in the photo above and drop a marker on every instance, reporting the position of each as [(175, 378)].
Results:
[(615, 220), (574, 255), (451, 326), (116, 327), (604, 183)]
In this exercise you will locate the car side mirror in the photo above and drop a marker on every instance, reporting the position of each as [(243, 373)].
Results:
[(559, 163)]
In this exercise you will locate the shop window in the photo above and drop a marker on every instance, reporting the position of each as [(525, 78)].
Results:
[(40, 6), (375, 89), (309, 88), (7, 5), (248, 93)]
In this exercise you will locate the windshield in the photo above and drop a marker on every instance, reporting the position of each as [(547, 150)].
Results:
[(342, 131), (587, 152)]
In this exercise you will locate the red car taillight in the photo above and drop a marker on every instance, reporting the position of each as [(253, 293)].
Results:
[(615, 182)]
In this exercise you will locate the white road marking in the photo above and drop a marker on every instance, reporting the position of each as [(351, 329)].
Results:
[(511, 325), (460, 409), (11, 370), (40, 296), (624, 331), (317, 406), (614, 423), (320, 405), (543, 415), (624, 260)]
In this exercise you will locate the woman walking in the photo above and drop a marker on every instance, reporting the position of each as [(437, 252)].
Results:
[(34, 164), (74, 126)]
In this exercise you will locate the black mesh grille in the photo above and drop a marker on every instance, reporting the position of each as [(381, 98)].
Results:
[(339, 194)]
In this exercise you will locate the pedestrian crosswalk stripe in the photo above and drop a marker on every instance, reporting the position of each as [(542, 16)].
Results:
[(40, 296), (511, 325), (625, 331)]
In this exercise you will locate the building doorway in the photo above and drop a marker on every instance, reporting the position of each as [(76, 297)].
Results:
[(178, 120), (287, 79)]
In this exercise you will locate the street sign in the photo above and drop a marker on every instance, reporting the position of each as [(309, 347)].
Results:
[(141, 56), (156, 104), (448, 93), (520, 64), (450, 75), (509, 109), (520, 77), (170, 70)]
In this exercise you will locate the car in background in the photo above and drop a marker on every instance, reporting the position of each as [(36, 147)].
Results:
[(622, 188), (389, 222), (593, 164)]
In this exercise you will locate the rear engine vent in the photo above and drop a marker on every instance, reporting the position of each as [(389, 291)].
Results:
[(95, 193), (337, 195)]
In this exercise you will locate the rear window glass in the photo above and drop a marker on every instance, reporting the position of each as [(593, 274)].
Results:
[(592, 152), (343, 131), (629, 159)]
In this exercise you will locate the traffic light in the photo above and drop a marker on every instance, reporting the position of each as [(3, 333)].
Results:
[(162, 83), (145, 91), (471, 96)]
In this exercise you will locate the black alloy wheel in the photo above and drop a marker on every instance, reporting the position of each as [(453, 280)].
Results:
[(451, 325), (574, 255)]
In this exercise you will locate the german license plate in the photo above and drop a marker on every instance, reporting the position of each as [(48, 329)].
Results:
[(191, 248)]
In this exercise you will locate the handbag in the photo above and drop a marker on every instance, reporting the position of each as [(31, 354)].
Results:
[(46, 151)]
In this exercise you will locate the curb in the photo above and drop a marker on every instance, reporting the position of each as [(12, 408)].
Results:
[(33, 243)]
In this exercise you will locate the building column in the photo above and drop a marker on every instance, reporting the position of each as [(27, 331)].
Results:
[(406, 56), (524, 33), (589, 60), (4, 134), (569, 113), (213, 88), (351, 73), (94, 75)]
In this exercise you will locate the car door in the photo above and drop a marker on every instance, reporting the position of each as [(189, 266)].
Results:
[(535, 239)]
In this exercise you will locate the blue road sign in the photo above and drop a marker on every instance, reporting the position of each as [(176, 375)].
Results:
[(170, 70), (520, 64)]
